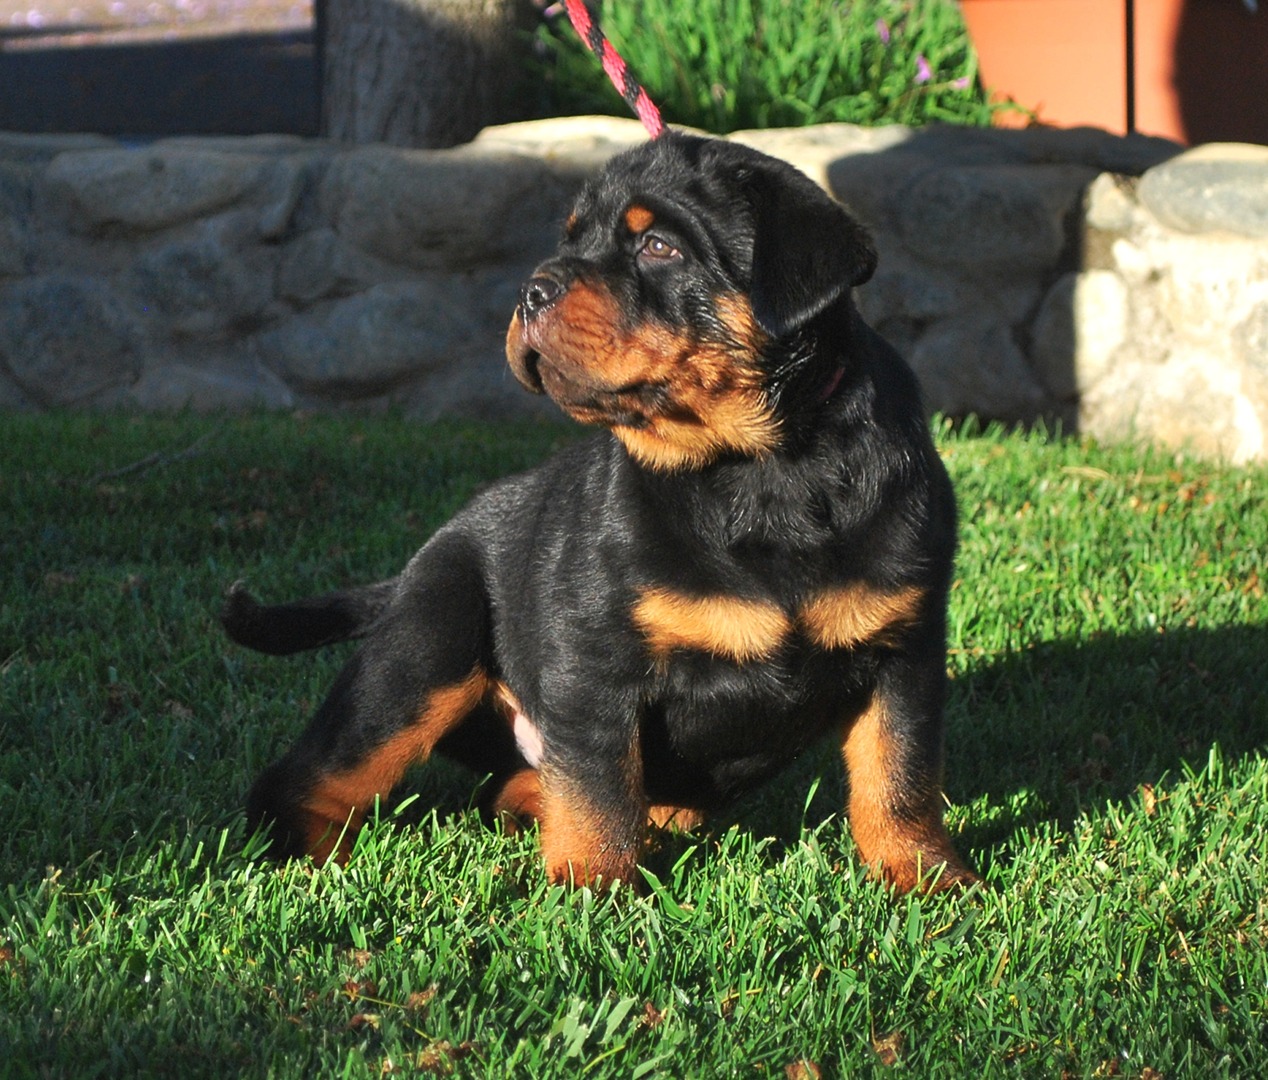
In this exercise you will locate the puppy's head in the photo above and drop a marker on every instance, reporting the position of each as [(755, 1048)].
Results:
[(686, 269)]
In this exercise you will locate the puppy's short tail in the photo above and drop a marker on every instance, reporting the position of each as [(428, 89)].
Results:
[(281, 629)]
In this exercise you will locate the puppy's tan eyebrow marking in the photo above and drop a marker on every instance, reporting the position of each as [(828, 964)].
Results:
[(639, 219)]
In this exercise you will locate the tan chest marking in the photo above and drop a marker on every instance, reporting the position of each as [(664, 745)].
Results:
[(847, 616), (726, 626), (739, 629)]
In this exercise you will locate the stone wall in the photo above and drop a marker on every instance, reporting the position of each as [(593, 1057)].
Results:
[(1071, 275)]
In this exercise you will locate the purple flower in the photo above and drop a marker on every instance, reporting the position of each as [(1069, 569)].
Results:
[(962, 83), (882, 30), (923, 71)]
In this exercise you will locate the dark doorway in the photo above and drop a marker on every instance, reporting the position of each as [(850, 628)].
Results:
[(158, 67)]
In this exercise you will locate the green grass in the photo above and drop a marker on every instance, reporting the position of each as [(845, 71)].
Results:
[(724, 65), (1106, 771)]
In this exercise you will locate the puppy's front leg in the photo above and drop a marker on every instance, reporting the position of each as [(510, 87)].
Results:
[(893, 755), (593, 815)]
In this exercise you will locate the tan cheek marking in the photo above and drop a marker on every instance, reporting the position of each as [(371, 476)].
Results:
[(736, 314), (853, 615), (902, 849), (649, 353), (584, 323), (715, 399), (740, 423), (639, 219), (343, 798), (588, 344), (726, 626), (718, 385)]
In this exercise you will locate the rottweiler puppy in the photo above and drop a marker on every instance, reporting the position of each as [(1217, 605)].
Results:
[(753, 556)]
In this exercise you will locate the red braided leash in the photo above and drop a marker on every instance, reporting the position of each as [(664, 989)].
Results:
[(627, 86)]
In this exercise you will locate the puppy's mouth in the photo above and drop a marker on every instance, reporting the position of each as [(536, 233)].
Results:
[(523, 358), (544, 364)]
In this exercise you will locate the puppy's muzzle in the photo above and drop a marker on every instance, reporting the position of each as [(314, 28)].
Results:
[(538, 295)]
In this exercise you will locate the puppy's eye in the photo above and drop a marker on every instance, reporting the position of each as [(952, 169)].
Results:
[(656, 248)]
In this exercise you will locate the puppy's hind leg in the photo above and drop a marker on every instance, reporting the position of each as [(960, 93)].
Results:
[(422, 670)]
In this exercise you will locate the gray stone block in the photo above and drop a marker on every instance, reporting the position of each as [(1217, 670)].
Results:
[(367, 344), (987, 219), (445, 209), (972, 364), (206, 385), (1223, 186), (149, 189), (65, 339), (201, 288)]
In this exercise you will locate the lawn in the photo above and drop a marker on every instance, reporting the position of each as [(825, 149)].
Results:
[(1106, 771)]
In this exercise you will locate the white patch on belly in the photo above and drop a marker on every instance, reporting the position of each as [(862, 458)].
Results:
[(527, 738)]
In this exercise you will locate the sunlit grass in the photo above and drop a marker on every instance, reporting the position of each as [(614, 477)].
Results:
[(1109, 711)]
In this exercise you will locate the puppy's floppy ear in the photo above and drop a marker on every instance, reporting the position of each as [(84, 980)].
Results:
[(807, 250)]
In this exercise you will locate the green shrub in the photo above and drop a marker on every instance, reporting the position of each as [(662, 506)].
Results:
[(723, 65)]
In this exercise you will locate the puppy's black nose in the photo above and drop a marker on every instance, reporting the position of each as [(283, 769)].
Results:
[(537, 294)]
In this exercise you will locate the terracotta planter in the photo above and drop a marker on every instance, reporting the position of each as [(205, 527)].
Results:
[(1192, 70)]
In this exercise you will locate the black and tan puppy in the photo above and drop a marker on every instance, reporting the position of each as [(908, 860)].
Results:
[(753, 556)]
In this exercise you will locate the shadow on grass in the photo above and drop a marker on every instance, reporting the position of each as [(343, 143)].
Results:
[(1076, 723), (1045, 734), (1072, 725)]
